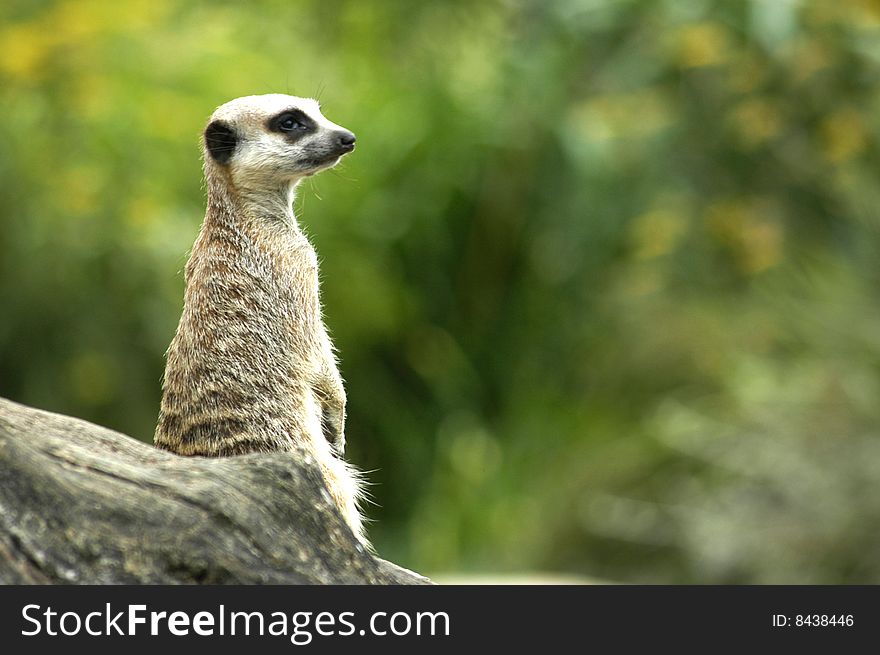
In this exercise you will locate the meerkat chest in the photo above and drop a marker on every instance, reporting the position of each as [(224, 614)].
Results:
[(283, 271), (296, 273), (298, 264)]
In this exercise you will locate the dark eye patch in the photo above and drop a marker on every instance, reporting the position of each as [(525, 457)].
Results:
[(292, 122)]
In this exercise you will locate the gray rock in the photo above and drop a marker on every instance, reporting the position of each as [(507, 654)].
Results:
[(86, 505)]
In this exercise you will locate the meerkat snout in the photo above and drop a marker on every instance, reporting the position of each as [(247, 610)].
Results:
[(346, 140)]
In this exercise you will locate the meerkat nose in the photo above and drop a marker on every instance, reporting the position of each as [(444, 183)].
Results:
[(347, 139)]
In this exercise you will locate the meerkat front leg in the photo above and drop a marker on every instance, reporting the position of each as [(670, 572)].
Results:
[(332, 398), (331, 394)]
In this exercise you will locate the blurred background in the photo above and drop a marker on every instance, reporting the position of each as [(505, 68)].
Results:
[(604, 274)]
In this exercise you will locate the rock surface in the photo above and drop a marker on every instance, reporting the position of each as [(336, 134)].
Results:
[(86, 505)]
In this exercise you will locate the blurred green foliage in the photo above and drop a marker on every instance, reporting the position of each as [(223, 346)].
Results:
[(603, 274)]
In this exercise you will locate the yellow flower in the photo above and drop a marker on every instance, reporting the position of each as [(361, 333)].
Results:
[(844, 135), (756, 120), (702, 44)]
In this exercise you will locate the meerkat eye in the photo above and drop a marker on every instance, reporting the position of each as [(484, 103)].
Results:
[(290, 123), (293, 122)]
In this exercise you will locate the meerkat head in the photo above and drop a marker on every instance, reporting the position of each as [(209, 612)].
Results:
[(273, 140)]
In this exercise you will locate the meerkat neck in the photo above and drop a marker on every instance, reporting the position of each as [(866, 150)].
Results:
[(243, 205), (273, 206)]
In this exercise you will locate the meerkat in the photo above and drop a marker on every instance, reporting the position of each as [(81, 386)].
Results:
[(251, 367)]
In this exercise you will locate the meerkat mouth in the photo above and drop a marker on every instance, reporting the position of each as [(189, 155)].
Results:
[(318, 165)]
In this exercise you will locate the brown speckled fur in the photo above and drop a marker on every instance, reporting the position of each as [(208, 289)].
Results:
[(251, 367)]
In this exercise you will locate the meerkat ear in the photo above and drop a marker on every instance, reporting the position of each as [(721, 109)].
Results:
[(220, 140)]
